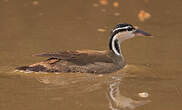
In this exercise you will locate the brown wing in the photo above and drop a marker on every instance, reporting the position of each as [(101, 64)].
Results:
[(80, 57)]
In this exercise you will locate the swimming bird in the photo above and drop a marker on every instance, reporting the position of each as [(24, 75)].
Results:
[(89, 61)]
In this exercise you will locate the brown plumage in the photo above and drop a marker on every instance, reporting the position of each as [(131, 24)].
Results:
[(88, 61)]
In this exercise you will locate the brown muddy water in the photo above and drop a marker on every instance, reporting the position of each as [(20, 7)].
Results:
[(154, 64)]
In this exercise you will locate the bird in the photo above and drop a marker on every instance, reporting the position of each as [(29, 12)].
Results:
[(88, 61)]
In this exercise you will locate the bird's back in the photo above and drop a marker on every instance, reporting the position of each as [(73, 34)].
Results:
[(85, 61)]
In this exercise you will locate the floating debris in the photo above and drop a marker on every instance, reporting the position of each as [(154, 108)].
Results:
[(116, 14), (101, 30), (118, 101), (100, 75), (103, 2), (35, 3), (143, 94), (95, 5), (143, 15), (116, 4)]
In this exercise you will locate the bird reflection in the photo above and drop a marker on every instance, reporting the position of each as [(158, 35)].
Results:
[(117, 101)]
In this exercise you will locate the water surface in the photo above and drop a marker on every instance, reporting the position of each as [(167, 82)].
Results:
[(154, 64)]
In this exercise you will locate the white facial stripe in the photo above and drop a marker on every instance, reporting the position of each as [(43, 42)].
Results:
[(113, 46), (121, 28)]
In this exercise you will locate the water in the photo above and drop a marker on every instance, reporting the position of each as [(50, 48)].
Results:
[(154, 64)]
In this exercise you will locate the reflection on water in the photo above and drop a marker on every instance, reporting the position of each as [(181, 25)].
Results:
[(89, 90), (84, 83), (118, 101), (33, 26), (77, 84)]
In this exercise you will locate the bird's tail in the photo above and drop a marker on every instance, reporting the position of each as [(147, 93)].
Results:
[(36, 68)]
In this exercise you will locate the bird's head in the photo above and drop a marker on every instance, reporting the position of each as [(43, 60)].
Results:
[(122, 32), (125, 31)]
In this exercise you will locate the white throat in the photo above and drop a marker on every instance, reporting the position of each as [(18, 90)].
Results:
[(122, 36), (119, 38), (116, 46)]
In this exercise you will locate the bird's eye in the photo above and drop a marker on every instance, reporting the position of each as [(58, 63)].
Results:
[(130, 29)]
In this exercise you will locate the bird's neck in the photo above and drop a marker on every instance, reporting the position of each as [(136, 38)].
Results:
[(115, 49), (114, 45)]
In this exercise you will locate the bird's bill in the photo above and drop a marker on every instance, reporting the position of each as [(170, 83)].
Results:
[(139, 32)]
